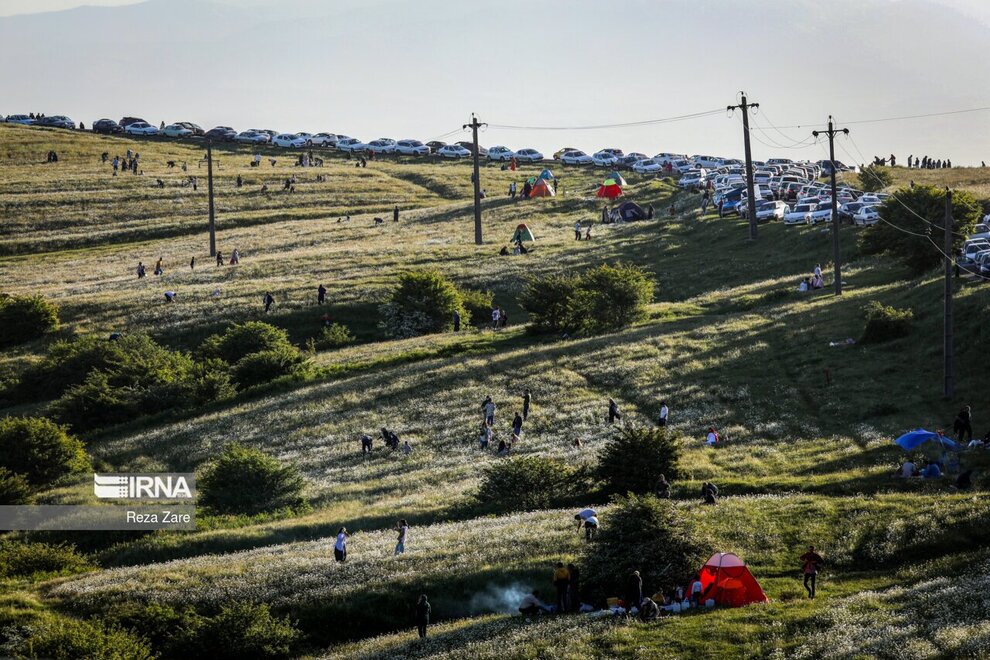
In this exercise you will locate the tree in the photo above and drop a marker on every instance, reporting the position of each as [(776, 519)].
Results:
[(23, 318), (547, 300), (40, 450), (912, 226), (423, 303), (884, 322), (633, 460), (245, 480), (645, 534), (873, 178), (527, 483), (243, 339)]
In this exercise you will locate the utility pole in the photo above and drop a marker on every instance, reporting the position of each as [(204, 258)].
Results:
[(209, 183), (475, 125), (750, 197), (949, 349), (836, 255)]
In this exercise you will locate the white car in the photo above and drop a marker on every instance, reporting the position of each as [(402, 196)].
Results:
[(528, 155), (381, 146), (411, 148), (575, 157), (822, 213), (604, 159), (140, 128), (646, 166), (500, 153), (176, 131), (350, 145), (682, 166), (692, 179), (24, 120), (664, 158), (453, 151), (289, 140), (867, 215), (766, 211), (322, 140), (799, 215), (252, 137)]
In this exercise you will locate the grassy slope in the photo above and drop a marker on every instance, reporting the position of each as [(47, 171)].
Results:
[(728, 342)]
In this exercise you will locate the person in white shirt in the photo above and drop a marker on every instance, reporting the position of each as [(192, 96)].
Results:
[(406, 449), (818, 270), (583, 515), (577, 230), (495, 318), (664, 411), (803, 287), (696, 592), (403, 528), (712, 438), (531, 604), (340, 547)]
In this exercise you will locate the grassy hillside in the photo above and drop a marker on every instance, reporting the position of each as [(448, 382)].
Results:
[(727, 342)]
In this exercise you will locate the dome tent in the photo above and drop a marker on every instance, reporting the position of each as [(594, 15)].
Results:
[(522, 233), (547, 174), (609, 189), (542, 189), (726, 580), (614, 174), (630, 211)]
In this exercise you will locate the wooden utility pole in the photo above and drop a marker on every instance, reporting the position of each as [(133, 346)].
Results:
[(836, 253), (750, 197), (474, 126), (209, 185), (949, 388)]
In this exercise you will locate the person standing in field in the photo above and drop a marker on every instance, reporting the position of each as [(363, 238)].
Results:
[(527, 398), (219, 258), (340, 547), (561, 581), (457, 321), (577, 230), (422, 615), (664, 411), (321, 295), (192, 263), (812, 563), (395, 214), (613, 411), (403, 529), (269, 301), (489, 408)]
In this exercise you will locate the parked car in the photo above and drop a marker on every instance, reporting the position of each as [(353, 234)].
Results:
[(604, 159), (682, 166), (692, 179), (176, 131), (970, 249), (848, 210), (499, 152), (55, 121), (289, 140), (646, 166), (411, 148), (381, 146), (221, 134), (435, 145), (453, 151), (350, 145), (560, 152), (767, 211), (822, 213), (252, 137), (800, 214), (618, 153), (867, 215), (323, 140), (196, 129), (470, 147), (631, 159), (127, 121), (141, 128), (575, 157), (106, 127), (981, 230), (24, 120), (529, 156)]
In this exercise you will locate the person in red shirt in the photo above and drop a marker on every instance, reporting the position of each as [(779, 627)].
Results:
[(812, 563)]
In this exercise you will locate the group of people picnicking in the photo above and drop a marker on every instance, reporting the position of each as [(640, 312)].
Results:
[(948, 462), (814, 281)]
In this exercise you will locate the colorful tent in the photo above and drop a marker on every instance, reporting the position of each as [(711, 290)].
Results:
[(614, 174), (609, 189), (542, 189), (913, 439), (726, 580), (531, 180), (630, 211), (547, 174), (522, 233)]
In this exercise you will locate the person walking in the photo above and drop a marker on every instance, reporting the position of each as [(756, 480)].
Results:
[(340, 547), (527, 399), (577, 230), (561, 581), (140, 270), (321, 295), (664, 411), (395, 213), (403, 529), (964, 424), (489, 408), (269, 301), (812, 563), (192, 263), (422, 615), (613, 411), (457, 321)]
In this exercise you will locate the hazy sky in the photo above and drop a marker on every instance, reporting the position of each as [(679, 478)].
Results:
[(397, 68)]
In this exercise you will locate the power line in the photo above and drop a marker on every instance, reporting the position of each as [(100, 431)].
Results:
[(883, 119), (647, 122)]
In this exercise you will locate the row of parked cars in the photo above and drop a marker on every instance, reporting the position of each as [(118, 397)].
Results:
[(974, 256)]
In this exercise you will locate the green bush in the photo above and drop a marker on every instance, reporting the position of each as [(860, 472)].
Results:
[(633, 460), (14, 488), (246, 480), (884, 323), (23, 559), (334, 336), (62, 638), (423, 303), (171, 632), (23, 318), (599, 300), (245, 630), (645, 534), (40, 450), (209, 380), (873, 178), (528, 483), (243, 339), (258, 368), (69, 362), (477, 305)]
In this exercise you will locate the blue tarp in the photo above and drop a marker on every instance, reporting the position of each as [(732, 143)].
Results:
[(916, 438), (546, 174)]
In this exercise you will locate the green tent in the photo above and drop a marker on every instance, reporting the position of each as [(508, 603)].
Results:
[(522, 233)]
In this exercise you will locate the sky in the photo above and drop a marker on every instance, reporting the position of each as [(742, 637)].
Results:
[(374, 68)]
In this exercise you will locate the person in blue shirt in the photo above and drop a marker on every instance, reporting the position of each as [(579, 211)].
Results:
[(931, 471)]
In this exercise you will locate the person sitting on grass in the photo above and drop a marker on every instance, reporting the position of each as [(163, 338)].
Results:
[(931, 471), (648, 610), (712, 438), (907, 469), (663, 488), (531, 605), (804, 286), (503, 448), (709, 493)]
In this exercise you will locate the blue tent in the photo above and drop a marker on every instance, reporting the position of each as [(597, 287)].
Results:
[(546, 174), (914, 439)]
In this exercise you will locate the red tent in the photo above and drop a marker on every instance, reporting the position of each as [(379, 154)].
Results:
[(542, 189), (609, 189), (726, 580)]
